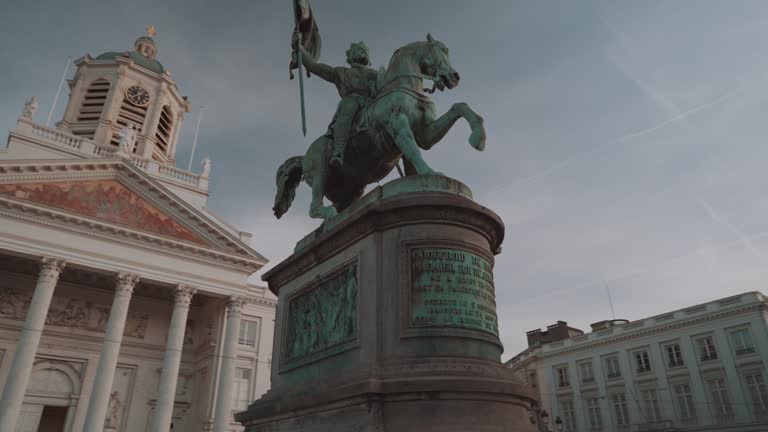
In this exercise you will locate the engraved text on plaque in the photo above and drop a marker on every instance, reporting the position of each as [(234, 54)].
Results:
[(452, 287)]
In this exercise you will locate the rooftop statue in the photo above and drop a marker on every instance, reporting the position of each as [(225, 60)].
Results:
[(30, 108), (384, 116)]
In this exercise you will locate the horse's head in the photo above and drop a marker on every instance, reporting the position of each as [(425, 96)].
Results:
[(436, 63)]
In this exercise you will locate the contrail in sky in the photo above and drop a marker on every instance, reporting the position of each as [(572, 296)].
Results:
[(745, 240), (679, 117), (603, 147)]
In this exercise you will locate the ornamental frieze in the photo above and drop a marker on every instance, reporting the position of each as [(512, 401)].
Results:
[(69, 312)]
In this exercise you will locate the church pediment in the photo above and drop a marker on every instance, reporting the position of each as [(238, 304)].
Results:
[(107, 200), (118, 199)]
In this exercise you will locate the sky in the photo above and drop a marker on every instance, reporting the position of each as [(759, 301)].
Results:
[(627, 141)]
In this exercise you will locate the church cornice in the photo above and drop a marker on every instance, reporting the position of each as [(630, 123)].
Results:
[(622, 338), (31, 212), (141, 183)]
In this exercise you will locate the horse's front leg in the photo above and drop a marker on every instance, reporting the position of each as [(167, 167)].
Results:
[(316, 174), (435, 131), (400, 128)]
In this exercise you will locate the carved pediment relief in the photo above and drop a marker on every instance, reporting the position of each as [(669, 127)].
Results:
[(107, 200)]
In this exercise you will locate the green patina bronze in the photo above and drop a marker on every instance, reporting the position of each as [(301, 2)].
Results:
[(322, 317), (453, 288), (384, 116)]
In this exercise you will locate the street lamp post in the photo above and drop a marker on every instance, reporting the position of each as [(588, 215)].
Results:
[(543, 423)]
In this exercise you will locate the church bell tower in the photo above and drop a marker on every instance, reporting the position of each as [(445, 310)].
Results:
[(123, 89)]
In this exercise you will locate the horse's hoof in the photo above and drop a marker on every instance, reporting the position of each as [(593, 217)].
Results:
[(477, 140), (329, 212)]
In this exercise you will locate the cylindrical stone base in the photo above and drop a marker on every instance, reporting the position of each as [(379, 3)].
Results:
[(387, 321)]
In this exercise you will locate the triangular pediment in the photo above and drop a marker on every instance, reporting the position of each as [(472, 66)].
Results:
[(107, 200)]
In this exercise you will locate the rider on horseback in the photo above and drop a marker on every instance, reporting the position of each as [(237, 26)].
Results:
[(356, 86)]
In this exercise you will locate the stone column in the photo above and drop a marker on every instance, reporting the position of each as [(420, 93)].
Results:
[(105, 372), (223, 413), (24, 358), (161, 422)]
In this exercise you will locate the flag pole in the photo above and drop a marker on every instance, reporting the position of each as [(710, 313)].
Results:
[(194, 142), (58, 92), (301, 88)]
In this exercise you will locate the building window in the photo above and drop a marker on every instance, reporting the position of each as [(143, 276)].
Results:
[(650, 405), (241, 389), (721, 403), (569, 416), (742, 341), (586, 372), (757, 393), (674, 355), (642, 361), (707, 349), (248, 333), (593, 414), (620, 410), (684, 400), (612, 367), (562, 376)]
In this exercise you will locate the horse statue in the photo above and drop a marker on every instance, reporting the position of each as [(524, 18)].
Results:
[(398, 123)]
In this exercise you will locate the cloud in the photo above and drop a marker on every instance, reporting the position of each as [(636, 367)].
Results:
[(606, 122)]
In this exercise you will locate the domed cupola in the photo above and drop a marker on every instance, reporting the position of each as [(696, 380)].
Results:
[(144, 53), (116, 90)]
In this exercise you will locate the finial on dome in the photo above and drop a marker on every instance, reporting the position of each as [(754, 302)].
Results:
[(151, 32)]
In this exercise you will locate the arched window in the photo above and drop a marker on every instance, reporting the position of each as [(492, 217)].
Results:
[(164, 129), (91, 108)]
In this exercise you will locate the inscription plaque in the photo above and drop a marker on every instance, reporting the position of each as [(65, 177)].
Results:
[(454, 288), (323, 317)]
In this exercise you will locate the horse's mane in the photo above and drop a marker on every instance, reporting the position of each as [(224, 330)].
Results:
[(406, 51)]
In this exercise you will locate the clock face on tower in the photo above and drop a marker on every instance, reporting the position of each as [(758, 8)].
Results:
[(137, 96)]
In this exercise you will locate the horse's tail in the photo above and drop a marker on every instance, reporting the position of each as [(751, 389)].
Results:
[(289, 176)]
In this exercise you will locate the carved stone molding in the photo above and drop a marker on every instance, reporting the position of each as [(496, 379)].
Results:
[(594, 344), (125, 282), (235, 304), (446, 209), (50, 268), (147, 188), (183, 295), (37, 214), (75, 313)]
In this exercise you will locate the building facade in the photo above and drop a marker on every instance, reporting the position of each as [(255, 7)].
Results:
[(702, 368), (124, 300)]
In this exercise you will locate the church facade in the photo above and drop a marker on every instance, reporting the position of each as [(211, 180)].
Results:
[(124, 300)]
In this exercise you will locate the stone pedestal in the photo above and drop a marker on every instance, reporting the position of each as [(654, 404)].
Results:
[(386, 321)]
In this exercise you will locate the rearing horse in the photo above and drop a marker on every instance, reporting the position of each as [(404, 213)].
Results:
[(398, 123)]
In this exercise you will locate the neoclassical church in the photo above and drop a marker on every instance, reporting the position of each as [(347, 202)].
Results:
[(124, 300)]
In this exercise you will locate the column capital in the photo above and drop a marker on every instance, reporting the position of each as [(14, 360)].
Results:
[(125, 282), (235, 304), (183, 294), (51, 266)]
